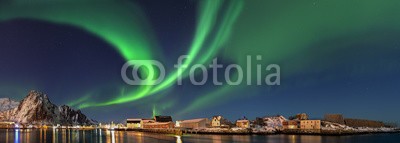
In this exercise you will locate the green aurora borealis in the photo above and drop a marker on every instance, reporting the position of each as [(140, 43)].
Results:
[(289, 33), (125, 33)]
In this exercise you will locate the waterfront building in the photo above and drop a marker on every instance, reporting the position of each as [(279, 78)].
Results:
[(193, 123), (159, 125), (310, 124), (133, 123), (243, 123), (216, 121), (163, 118), (157, 122), (291, 124)]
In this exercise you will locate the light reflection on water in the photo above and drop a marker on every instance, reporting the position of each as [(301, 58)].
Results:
[(102, 136)]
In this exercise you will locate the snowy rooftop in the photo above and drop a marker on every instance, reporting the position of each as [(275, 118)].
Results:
[(159, 123), (137, 119), (242, 121), (192, 120)]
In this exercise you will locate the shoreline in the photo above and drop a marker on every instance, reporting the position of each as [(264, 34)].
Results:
[(250, 132), (175, 131)]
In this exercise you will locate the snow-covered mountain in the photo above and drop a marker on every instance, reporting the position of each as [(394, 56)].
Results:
[(36, 108)]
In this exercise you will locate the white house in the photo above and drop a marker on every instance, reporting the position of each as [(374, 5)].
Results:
[(216, 121)]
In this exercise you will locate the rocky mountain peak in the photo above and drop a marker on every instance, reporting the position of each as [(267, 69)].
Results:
[(36, 108), (36, 96)]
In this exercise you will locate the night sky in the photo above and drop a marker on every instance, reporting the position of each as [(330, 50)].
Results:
[(337, 56)]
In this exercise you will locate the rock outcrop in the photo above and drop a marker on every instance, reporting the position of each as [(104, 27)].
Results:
[(36, 108)]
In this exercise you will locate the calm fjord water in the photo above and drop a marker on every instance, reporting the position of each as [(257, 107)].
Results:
[(99, 136)]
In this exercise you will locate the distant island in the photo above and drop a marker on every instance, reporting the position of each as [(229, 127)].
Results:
[(36, 111)]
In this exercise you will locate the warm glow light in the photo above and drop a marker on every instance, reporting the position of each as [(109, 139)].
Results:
[(178, 139), (113, 136)]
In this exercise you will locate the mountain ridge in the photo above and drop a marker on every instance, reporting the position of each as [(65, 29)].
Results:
[(36, 108)]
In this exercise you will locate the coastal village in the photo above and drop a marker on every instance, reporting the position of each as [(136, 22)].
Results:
[(36, 111), (297, 124), (300, 123)]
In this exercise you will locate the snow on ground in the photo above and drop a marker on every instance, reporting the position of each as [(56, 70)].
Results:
[(335, 126), (264, 129), (381, 129)]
